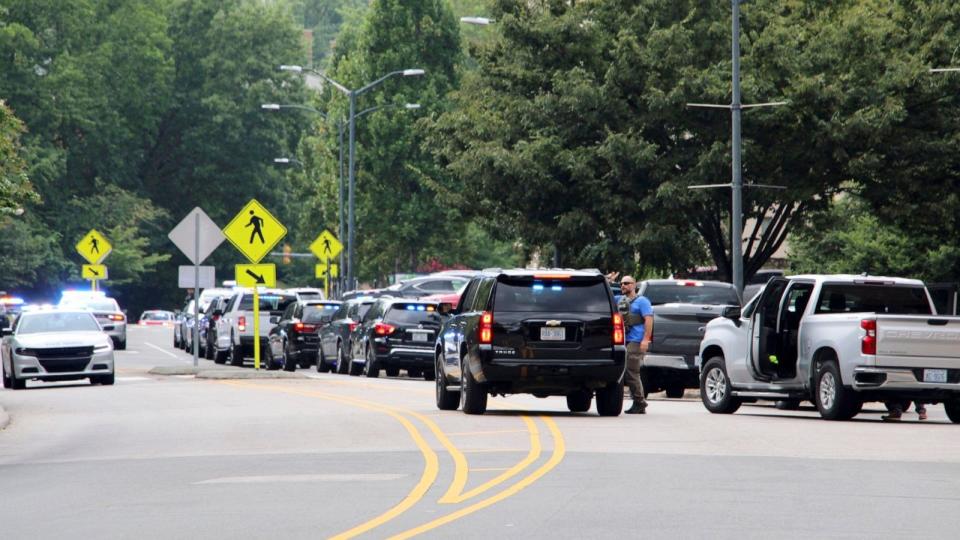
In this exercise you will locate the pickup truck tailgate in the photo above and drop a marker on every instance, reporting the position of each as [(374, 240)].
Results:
[(918, 341), (678, 328)]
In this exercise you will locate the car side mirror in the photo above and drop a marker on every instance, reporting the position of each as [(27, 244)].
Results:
[(731, 312), (274, 319)]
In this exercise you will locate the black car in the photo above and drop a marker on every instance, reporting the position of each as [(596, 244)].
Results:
[(398, 334), (294, 336), (540, 332), (334, 347)]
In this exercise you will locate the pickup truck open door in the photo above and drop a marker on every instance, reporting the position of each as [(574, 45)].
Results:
[(763, 329)]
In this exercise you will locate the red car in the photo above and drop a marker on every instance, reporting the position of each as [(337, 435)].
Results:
[(156, 317)]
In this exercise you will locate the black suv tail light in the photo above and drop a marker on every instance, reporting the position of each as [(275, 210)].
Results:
[(486, 328), (618, 332)]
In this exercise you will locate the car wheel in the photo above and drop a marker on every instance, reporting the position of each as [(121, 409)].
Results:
[(788, 404), (106, 380), (6, 379), (392, 371), (833, 400), (675, 391), (268, 361), (446, 400), (953, 410), (414, 373), (288, 363), (236, 354), (322, 366), (371, 367), (342, 366), (220, 357), (579, 401), (716, 393), (473, 397), (610, 399), (354, 368), (208, 351), (429, 375), (121, 345)]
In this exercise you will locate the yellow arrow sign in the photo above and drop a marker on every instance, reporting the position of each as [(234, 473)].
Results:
[(253, 275), (94, 247), (254, 231), (94, 272), (326, 246), (321, 270)]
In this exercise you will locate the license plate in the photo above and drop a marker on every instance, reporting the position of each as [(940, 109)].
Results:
[(935, 375), (553, 334), (420, 337)]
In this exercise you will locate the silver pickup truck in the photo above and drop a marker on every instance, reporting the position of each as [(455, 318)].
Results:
[(835, 340)]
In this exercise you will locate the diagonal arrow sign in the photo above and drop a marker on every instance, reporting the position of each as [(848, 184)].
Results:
[(259, 278)]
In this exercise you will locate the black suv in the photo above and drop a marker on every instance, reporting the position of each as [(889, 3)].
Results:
[(334, 348), (294, 337), (540, 332), (398, 334)]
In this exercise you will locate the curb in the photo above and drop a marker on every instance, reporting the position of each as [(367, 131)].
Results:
[(174, 370), (247, 374), (4, 418)]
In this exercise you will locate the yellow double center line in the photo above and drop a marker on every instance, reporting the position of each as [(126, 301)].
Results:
[(455, 493)]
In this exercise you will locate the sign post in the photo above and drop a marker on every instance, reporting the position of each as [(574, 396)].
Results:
[(197, 236), (265, 231)]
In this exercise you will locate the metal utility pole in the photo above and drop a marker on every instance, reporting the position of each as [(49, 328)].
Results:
[(736, 184), (340, 231)]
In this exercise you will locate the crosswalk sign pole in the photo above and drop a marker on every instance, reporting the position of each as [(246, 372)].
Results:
[(256, 328)]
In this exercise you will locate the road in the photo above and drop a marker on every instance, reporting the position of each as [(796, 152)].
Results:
[(339, 456)]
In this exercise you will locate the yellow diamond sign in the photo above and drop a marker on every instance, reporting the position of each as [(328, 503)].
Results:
[(252, 275), (326, 246), (93, 271), (94, 247), (254, 231), (320, 270)]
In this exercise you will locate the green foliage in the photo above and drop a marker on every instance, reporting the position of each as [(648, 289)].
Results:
[(15, 187)]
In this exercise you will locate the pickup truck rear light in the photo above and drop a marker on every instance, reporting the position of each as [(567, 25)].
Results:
[(383, 329), (869, 343), (690, 283), (242, 324), (303, 327), (486, 327), (618, 329)]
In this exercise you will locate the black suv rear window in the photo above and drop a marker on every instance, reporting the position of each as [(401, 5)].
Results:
[(412, 314), (551, 295), (319, 313), (680, 293), (857, 298)]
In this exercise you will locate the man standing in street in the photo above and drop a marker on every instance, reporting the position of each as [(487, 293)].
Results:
[(637, 315)]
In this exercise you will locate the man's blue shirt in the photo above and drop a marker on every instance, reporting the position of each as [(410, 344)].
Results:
[(640, 306)]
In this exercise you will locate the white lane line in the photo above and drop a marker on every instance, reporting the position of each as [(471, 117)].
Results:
[(127, 352), (125, 379), (303, 478), (166, 352)]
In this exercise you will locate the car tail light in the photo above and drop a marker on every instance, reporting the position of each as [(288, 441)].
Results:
[(215, 318), (617, 329), (486, 327), (353, 325), (242, 324), (383, 329), (302, 327), (116, 317), (869, 343)]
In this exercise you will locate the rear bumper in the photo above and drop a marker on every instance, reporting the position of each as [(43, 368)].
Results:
[(246, 345), (879, 382), (406, 357), (548, 376)]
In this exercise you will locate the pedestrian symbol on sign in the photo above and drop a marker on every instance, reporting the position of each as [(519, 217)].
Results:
[(94, 245), (257, 223)]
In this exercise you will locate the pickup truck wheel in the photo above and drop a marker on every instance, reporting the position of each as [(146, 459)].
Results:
[(446, 399), (392, 371), (610, 399), (715, 390), (322, 366), (342, 362), (953, 410), (579, 401), (675, 391), (473, 397), (370, 367), (236, 355), (288, 363), (833, 400)]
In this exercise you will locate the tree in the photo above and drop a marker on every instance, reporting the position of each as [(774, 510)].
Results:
[(15, 187)]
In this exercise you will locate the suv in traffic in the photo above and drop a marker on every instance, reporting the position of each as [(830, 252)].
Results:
[(398, 334), (540, 332), (235, 336)]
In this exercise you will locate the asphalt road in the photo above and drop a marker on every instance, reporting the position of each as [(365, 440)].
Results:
[(180, 457)]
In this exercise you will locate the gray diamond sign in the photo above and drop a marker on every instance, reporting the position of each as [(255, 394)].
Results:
[(196, 236)]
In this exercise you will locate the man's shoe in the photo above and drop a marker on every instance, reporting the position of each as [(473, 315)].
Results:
[(892, 417), (636, 408)]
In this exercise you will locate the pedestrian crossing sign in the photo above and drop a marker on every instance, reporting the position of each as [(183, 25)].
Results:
[(94, 247), (254, 275), (94, 272), (326, 247), (254, 231)]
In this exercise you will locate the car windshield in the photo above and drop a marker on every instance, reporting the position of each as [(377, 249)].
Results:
[(552, 295), (268, 302), (863, 298), (319, 313), (682, 293), (36, 323), (412, 314)]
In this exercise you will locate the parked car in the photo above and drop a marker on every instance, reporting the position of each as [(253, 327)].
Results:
[(213, 314), (397, 334), (235, 328), (335, 336), (757, 281), (307, 293), (107, 312), (835, 340), (294, 337), (60, 345), (540, 332), (156, 317), (681, 310)]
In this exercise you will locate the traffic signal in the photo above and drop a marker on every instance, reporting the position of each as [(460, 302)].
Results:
[(287, 250)]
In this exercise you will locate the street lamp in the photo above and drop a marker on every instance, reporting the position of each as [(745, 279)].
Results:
[(351, 167)]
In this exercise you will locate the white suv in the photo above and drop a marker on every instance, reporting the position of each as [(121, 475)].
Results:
[(235, 338)]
